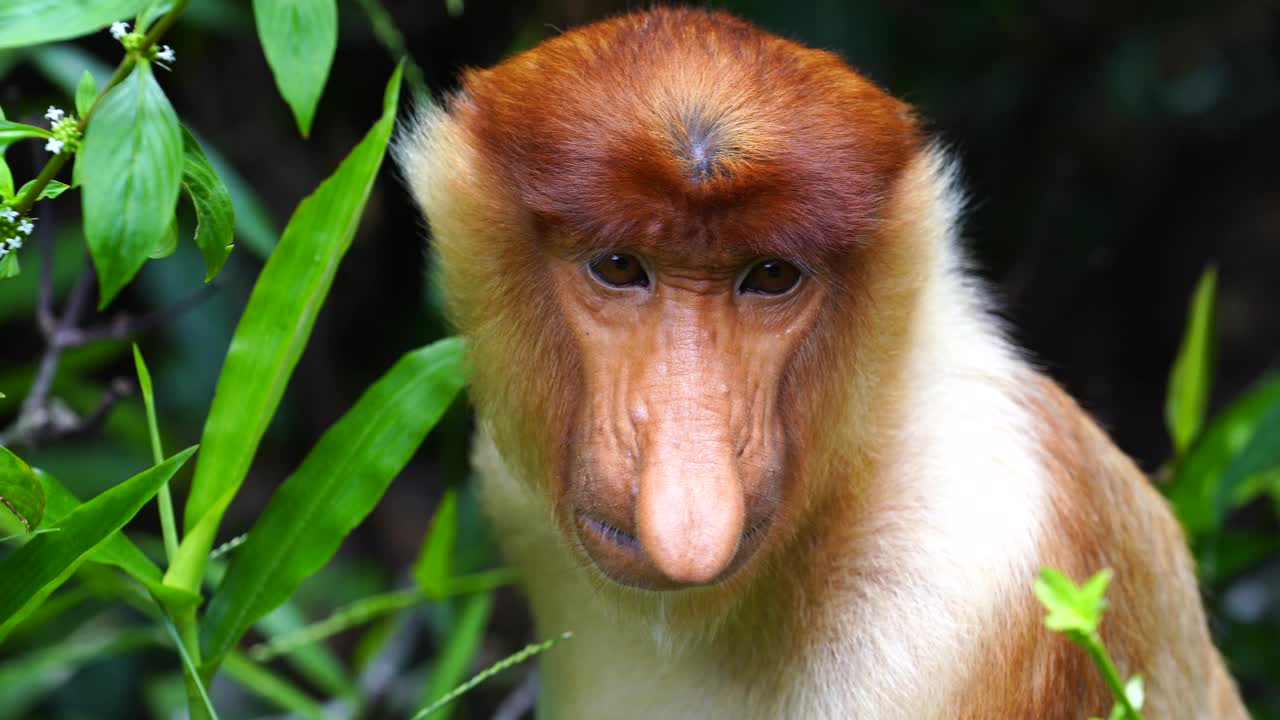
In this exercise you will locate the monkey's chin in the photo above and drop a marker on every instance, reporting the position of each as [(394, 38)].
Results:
[(620, 557)]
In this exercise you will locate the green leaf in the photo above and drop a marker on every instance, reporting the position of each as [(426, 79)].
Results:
[(434, 566), (1200, 473), (32, 23), (6, 176), (336, 486), (86, 93), (272, 333), (1259, 455), (168, 243), (37, 568), (299, 38), (131, 168), (118, 550), (1192, 374), (20, 490), (215, 213), (154, 12), (11, 132), (9, 267), (50, 191), (465, 634), (1072, 609)]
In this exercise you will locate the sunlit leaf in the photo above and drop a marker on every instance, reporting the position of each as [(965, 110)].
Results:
[(336, 486), (1192, 374), (24, 22), (50, 191), (272, 332), (131, 169), (86, 93), (299, 38)]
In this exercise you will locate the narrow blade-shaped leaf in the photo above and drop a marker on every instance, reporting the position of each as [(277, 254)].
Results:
[(434, 566), (215, 213), (299, 38), (1200, 472), (460, 645), (11, 132), (32, 23), (1192, 374), (38, 567), (336, 486), (131, 170), (117, 550), (271, 335), (20, 491)]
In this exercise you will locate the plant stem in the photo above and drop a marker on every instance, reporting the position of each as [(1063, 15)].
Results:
[(1093, 643)]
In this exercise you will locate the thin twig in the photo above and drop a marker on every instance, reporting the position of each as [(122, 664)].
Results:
[(123, 327), (117, 390)]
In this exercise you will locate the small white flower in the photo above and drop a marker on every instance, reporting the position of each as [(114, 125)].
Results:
[(119, 29), (166, 54), (26, 226), (54, 113), (9, 214), (15, 243), (54, 145)]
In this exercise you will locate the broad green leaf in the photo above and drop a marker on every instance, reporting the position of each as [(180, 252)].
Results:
[(1259, 455), (460, 645), (25, 22), (434, 566), (20, 490), (154, 11), (1199, 474), (168, 243), (273, 688), (118, 550), (215, 213), (299, 38), (86, 93), (336, 486), (11, 132), (272, 332), (131, 168), (50, 191), (1192, 374), (27, 678), (63, 63), (37, 568)]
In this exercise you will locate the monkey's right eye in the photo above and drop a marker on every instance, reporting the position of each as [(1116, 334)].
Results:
[(619, 270)]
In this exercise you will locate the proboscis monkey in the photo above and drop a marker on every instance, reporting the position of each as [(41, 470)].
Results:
[(747, 427)]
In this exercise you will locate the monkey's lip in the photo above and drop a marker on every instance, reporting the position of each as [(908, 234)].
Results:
[(619, 555)]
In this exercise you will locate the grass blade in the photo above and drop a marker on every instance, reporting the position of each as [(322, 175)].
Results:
[(1192, 373)]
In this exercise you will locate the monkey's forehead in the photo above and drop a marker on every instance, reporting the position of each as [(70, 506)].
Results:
[(682, 122)]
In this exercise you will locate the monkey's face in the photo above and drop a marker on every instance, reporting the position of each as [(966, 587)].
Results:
[(673, 471)]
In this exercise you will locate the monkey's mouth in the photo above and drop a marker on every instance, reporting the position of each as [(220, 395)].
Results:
[(620, 556)]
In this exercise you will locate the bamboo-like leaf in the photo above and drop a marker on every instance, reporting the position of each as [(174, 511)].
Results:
[(299, 38), (271, 335), (20, 490), (273, 688), (131, 169), (1192, 374), (37, 568), (31, 23), (460, 645), (338, 483), (215, 213), (1197, 477), (434, 566)]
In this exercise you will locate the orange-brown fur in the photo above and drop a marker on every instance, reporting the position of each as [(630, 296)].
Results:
[(692, 135)]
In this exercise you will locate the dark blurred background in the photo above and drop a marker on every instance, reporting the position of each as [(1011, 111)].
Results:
[(1111, 152)]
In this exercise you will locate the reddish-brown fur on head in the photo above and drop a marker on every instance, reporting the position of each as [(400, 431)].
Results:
[(686, 126)]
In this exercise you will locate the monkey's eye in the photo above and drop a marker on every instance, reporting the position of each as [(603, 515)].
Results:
[(619, 270), (770, 277)]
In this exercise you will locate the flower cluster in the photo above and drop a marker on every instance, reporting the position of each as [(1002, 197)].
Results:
[(66, 131), (13, 230), (132, 41)]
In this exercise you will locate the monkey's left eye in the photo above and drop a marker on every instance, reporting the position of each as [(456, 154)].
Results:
[(771, 277), (619, 270)]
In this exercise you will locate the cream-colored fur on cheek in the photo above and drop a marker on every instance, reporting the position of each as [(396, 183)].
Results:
[(949, 533)]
